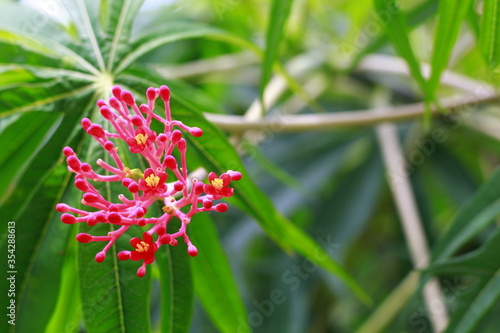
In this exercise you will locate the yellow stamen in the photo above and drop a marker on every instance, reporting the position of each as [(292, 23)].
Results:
[(217, 183), (168, 209), (152, 180), (141, 138), (142, 247)]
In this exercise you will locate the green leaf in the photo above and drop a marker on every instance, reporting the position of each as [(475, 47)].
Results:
[(451, 15), (117, 17), (176, 31), (476, 300), (177, 291), (278, 14), (397, 30), (219, 155), (213, 279), (489, 38), (67, 315), (414, 18), (471, 219), (114, 298), (35, 184)]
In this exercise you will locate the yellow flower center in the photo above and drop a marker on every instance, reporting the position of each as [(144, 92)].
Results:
[(142, 247), (152, 180), (217, 183), (141, 138)]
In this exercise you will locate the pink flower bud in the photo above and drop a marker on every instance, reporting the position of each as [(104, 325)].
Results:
[(192, 250), (195, 131), (165, 239), (141, 271), (96, 130), (73, 162), (207, 204), (108, 145), (68, 218), (133, 188), (114, 217), (67, 151), (178, 186), (151, 93), (91, 221), (85, 167), (144, 108), (86, 123), (100, 103), (81, 185), (176, 136), (235, 175), (161, 230), (124, 255), (62, 208), (115, 103), (101, 217), (128, 98), (117, 91), (83, 238), (170, 162), (165, 93), (198, 188), (100, 257), (106, 112), (137, 121), (182, 145), (221, 208), (90, 197)]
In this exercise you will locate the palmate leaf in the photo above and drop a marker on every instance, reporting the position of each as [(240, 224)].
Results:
[(36, 185)]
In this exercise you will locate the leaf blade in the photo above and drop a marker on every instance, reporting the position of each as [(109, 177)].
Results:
[(213, 279), (489, 37), (278, 14)]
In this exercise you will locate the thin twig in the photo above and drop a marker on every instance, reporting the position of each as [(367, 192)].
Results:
[(411, 223), (308, 122)]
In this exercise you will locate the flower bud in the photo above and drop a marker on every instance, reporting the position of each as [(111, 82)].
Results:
[(100, 257), (192, 250), (83, 238), (67, 151), (195, 131), (128, 98), (124, 255), (68, 218), (117, 91), (165, 93), (170, 162), (221, 208)]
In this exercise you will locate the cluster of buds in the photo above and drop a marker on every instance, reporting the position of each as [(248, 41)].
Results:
[(132, 124)]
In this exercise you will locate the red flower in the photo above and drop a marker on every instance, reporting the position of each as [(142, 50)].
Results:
[(141, 141), (144, 248), (153, 183), (217, 187)]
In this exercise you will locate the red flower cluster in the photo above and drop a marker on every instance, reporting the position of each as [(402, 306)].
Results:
[(132, 124)]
